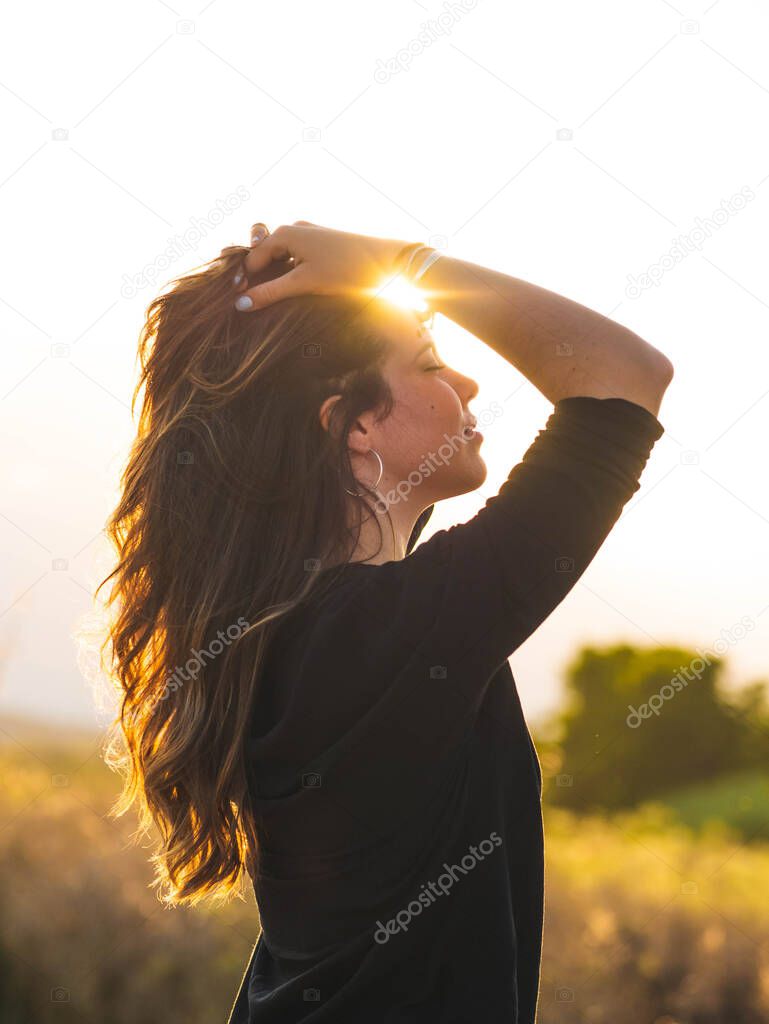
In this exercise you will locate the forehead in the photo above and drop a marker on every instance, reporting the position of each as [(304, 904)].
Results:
[(404, 329)]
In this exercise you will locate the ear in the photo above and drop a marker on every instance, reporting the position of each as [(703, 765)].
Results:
[(324, 413), (359, 438)]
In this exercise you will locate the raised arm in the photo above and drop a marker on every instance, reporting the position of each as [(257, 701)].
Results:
[(561, 346)]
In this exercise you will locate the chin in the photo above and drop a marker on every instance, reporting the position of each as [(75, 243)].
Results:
[(481, 471), (473, 475)]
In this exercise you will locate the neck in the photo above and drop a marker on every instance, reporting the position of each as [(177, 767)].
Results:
[(396, 530)]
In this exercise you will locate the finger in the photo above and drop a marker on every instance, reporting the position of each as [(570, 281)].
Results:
[(284, 287), (240, 280), (274, 247), (258, 232)]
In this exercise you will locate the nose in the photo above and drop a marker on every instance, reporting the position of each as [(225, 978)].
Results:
[(467, 387)]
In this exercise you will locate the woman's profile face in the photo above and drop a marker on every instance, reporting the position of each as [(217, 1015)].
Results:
[(424, 443)]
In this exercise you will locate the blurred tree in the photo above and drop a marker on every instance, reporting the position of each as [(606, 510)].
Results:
[(642, 722)]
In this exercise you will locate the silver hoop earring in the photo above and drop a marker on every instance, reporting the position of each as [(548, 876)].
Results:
[(356, 494)]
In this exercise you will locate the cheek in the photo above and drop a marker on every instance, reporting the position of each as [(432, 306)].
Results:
[(426, 410), (435, 410), (443, 405)]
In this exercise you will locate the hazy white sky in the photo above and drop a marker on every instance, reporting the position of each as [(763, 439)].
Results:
[(614, 152)]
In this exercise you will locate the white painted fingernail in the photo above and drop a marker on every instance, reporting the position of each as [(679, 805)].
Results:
[(258, 235), (238, 278), (244, 302)]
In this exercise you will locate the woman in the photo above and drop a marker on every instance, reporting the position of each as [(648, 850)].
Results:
[(349, 731)]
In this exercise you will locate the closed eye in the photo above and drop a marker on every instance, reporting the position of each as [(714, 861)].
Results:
[(430, 369)]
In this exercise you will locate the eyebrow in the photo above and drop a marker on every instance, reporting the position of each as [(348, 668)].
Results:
[(424, 348)]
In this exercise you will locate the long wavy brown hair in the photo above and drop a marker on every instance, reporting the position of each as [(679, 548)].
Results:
[(232, 497)]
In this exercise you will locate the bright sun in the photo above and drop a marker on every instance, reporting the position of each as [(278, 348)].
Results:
[(401, 293)]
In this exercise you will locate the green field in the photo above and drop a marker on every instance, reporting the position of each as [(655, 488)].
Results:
[(739, 801)]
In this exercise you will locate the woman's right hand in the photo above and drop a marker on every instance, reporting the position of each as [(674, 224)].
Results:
[(326, 262)]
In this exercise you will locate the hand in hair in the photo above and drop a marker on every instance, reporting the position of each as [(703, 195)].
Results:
[(325, 262)]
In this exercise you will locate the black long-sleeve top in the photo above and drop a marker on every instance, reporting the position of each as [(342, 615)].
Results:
[(402, 863)]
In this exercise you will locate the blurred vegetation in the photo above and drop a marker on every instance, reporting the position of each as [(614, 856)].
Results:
[(610, 757), (83, 939), (657, 884), (648, 923), (739, 801)]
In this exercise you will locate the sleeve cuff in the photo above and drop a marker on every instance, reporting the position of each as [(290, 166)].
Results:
[(618, 418)]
